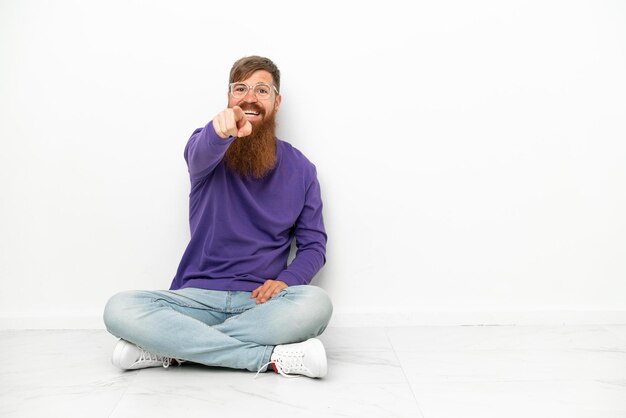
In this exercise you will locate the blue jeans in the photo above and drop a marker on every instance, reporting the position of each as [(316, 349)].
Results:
[(217, 328)]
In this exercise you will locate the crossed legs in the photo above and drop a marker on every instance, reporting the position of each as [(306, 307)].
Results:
[(217, 328)]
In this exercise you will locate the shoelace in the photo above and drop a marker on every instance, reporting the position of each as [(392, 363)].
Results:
[(287, 362), (166, 361)]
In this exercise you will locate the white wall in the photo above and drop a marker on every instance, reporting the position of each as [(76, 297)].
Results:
[(472, 154)]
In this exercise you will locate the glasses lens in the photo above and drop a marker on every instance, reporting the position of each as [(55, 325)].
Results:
[(262, 90), (239, 90)]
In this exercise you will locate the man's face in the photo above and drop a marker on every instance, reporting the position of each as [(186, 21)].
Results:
[(257, 110)]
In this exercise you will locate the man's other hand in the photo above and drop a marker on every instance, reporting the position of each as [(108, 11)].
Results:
[(268, 290), (232, 122)]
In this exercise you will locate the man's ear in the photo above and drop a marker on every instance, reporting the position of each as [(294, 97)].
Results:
[(279, 98)]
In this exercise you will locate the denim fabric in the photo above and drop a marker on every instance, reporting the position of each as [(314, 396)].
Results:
[(217, 328)]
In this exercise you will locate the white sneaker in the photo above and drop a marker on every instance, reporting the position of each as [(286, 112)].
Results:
[(128, 356), (307, 358)]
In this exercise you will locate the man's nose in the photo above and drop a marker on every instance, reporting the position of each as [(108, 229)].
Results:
[(250, 97)]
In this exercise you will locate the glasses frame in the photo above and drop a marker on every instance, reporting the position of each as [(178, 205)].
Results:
[(230, 89)]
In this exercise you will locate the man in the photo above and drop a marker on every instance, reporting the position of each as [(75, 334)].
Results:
[(234, 301)]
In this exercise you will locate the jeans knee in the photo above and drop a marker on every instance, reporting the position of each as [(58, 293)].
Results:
[(316, 307), (323, 304), (115, 313)]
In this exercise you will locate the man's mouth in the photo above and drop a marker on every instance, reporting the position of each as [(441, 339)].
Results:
[(253, 115), (251, 110)]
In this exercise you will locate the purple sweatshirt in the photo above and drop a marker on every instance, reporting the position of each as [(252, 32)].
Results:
[(241, 228)]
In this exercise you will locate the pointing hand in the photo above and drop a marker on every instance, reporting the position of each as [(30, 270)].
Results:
[(232, 122)]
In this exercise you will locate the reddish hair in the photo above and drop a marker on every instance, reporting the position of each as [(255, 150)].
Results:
[(246, 66)]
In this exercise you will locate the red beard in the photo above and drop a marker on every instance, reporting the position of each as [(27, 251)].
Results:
[(254, 155)]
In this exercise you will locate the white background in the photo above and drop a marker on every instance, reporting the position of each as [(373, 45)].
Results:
[(472, 155)]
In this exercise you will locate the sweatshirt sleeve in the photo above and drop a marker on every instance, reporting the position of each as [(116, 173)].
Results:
[(310, 240), (204, 150)]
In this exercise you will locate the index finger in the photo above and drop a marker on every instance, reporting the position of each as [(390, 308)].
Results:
[(239, 113)]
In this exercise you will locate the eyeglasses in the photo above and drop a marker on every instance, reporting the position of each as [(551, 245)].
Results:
[(262, 91)]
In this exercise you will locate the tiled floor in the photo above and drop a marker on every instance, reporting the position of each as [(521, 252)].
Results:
[(432, 372)]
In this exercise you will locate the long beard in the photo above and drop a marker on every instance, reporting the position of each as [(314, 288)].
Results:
[(254, 155)]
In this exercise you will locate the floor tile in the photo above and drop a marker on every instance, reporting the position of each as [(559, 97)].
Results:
[(512, 365), (364, 366), (356, 339), (200, 392), (619, 331), (58, 373), (373, 372), (570, 399), (504, 337)]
